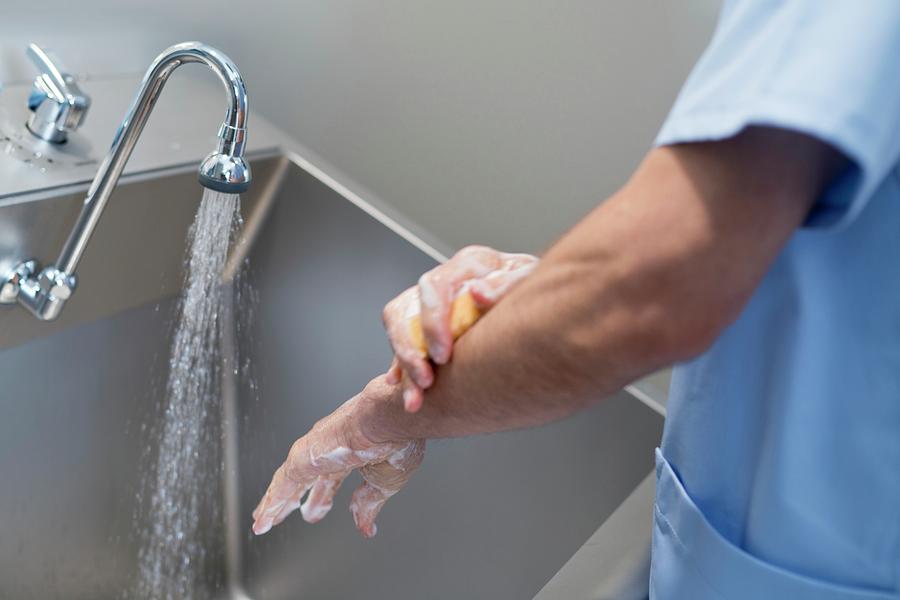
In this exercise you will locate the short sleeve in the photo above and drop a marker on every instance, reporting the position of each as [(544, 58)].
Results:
[(826, 68)]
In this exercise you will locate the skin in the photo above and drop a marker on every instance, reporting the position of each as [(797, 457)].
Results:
[(485, 273), (650, 277)]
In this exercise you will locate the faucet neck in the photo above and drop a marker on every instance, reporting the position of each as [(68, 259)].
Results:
[(232, 133)]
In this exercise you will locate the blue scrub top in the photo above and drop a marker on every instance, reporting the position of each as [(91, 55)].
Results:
[(779, 470)]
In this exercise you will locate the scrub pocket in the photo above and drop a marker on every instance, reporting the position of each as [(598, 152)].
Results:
[(691, 560)]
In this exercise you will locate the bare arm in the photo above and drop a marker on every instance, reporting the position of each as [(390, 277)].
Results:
[(650, 277)]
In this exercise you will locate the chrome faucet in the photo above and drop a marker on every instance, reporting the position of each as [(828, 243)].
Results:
[(44, 293)]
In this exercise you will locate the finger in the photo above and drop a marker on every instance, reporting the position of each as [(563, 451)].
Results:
[(282, 493), (438, 288), (490, 289), (290, 506), (279, 491), (398, 316), (420, 371), (383, 480), (404, 460), (321, 497), (413, 395), (394, 373), (435, 292), (514, 260), (365, 505), (304, 464)]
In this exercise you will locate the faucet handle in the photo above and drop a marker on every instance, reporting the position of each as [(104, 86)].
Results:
[(57, 103)]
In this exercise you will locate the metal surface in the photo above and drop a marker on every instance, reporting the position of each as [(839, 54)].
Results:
[(256, 217), (57, 104), (226, 173), (493, 517), (614, 564), (180, 132), (134, 257), (223, 170), (490, 517)]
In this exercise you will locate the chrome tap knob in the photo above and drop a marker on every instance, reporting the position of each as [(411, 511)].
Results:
[(57, 103)]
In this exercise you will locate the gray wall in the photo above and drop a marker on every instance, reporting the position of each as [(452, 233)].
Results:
[(499, 122)]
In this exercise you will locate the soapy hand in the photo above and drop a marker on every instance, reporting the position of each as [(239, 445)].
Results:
[(484, 273), (319, 462)]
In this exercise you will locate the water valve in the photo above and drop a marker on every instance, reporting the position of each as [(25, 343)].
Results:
[(57, 104)]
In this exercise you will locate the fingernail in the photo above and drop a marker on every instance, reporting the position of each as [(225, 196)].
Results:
[(438, 353), (409, 397), (425, 376), (262, 529)]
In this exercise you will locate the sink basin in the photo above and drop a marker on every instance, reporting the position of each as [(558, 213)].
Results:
[(491, 517)]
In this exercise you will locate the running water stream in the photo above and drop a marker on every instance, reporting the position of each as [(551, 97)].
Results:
[(182, 508)]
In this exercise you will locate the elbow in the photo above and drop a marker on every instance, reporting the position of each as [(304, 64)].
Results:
[(634, 323), (686, 328), (686, 341), (676, 314)]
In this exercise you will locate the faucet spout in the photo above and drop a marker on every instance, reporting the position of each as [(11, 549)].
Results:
[(224, 170), (232, 135)]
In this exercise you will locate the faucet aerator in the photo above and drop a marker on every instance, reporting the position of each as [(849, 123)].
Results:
[(224, 173)]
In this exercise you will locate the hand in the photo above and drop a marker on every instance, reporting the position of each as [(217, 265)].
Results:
[(485, 273), (319, 462)]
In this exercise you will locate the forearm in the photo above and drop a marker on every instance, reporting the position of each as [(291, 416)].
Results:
[(648, 278)]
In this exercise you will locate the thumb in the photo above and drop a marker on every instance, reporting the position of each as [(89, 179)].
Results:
[(383, 480)]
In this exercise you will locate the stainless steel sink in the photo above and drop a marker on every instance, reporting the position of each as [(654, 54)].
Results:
[(492, 517)]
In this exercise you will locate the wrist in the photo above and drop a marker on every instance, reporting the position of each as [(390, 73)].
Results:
[(377, 408)]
